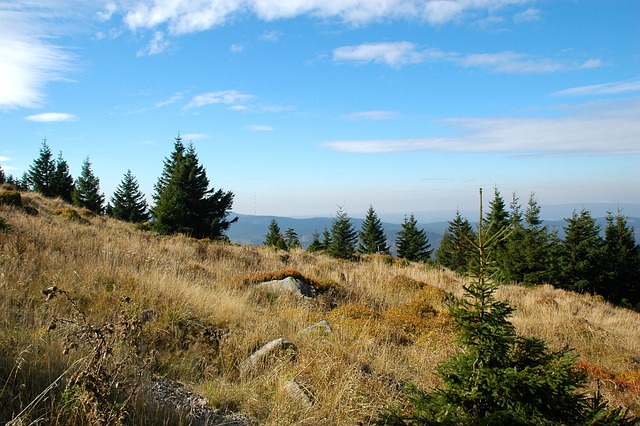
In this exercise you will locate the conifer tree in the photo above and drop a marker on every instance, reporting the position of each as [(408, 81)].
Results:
[(183, 201), (371, 235), (128, 203), (326, 239), (343, 237), (499, 377), (453, 252), (512, 262), (582, 254), (87, 191), (274, 237), (3, 178), (291, 239), (540, 247), (62, 184), (41, 172), (315, 245), (412, 243), (622, 268)]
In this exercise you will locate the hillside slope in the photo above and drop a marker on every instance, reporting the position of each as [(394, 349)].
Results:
[(130, 309)]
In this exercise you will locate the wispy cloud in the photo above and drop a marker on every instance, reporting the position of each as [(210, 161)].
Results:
[(612, 88), (194, 136), (49, 117), (580, 133), (233, 98), (529, 15), (398, 54), (28, 58), (171, 100), (371, 115), (394, 54), (189, 16), (156, 46), (260, 128)]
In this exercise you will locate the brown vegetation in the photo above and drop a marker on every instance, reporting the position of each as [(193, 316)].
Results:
[(190, 315)]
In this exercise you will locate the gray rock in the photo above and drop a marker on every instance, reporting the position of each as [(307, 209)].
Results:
[(299, 393), (321, 327), (267, 353), (288, 285)]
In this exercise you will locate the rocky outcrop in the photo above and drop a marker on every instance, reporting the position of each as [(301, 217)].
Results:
[(176, 397), (298, 393), (322, 327)]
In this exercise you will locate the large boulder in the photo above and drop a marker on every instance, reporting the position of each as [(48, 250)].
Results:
[(288, 285)]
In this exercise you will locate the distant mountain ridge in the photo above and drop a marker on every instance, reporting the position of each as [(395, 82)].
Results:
[(252, 229)]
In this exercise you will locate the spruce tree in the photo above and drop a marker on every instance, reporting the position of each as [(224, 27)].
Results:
[(453, 252), (412, 243), (128, 203), (499, 377), (622, 268), (512, 262), (3, 178), (42, 171), (87, 191), (62, 184), (315, 245), (343, 237), (183, 201), (540, 247), (326, 239), (274, 237), (291, 239), (371, 235), (582, 254)]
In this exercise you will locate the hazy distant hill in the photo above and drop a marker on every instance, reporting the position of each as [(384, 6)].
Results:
[(251, 230)]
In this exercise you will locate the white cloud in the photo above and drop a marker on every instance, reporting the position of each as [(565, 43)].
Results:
[(260, 128), (613, 88), (529, 15), (171, 100), (28, 58), (511, 63), (186, 16), (49, 117), (233, 98), (394, 54), (157, 45), (372, 115), (236, 48), (271, 36), (594, 129)]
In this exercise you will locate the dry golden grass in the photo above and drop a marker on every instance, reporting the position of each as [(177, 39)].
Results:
[(390, 321)]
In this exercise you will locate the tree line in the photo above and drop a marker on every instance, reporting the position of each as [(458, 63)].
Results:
[(343, 241), (183, 201)]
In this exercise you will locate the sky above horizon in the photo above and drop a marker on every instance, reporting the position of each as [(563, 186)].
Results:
[(300, 107)]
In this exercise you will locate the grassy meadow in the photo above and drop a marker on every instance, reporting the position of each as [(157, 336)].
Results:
[(129, 306)]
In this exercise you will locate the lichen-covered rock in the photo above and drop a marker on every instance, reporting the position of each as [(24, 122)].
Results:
[(289, 285), (320, 327), (177, 397), (298, 393), (278, 348)]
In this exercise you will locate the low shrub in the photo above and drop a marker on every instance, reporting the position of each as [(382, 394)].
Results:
[(10, 198), (69, 214)]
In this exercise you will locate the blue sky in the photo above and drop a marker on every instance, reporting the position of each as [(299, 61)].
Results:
[(301, 106)]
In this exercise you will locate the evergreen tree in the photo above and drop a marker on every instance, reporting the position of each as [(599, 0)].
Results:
[(497, 218), (62, 184), (412, 243), (512, 262), (582, 254), (42, 171), (622, 269), (343, 237), (540, 247), (87, 191), (128, 202), (326, 239), (315, 245), (183, 201), (291, 238), (453, 252), (371, 235), (3, 178), (274, 237), (499, 377)]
